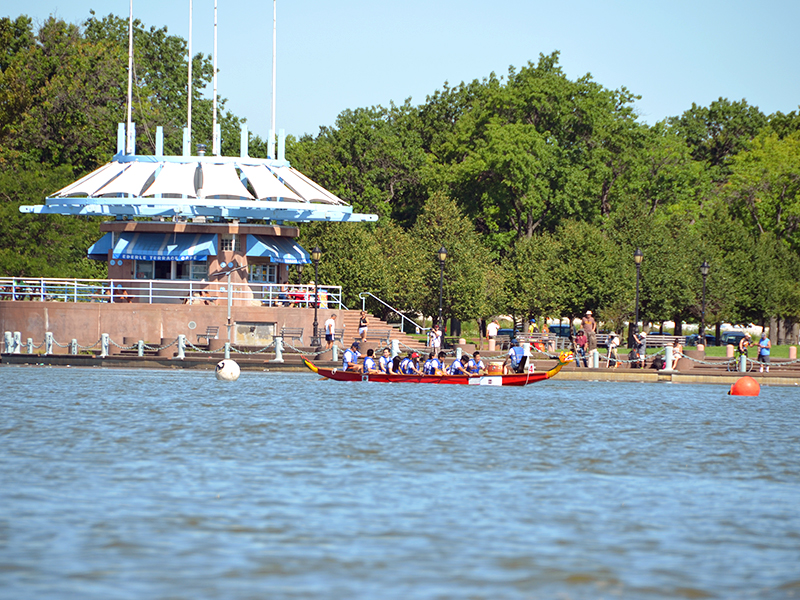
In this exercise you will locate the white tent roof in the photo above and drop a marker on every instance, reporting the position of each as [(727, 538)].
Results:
[(306, 188), (131, 182), (240, 187), (221, 181), (174, 179), (266, 185), (88, 185)]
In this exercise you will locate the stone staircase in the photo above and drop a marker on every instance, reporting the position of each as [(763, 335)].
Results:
[(378, 332)]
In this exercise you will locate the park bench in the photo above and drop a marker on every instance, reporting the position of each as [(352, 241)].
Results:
[(212, 332), (293, 333), (658, 340)]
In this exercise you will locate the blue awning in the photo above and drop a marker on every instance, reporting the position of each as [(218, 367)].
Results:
[(165, 246), (278, 249), (99, 250)]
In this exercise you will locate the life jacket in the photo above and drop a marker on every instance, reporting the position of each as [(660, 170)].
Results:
[(406, 366), (474, 366), (369, 364), (428, 368), (457, 368), (384, 363), (516, 353), (349, 357)]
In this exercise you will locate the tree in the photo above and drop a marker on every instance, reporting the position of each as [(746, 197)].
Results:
[(719, 131), (441, 223), (764, 187)]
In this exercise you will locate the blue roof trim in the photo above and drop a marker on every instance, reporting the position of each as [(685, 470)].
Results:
[(282, 250), (165, 246)]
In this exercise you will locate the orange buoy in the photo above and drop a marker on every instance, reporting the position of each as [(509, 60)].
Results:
[(746, 386)]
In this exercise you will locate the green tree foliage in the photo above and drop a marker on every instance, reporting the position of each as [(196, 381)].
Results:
[(442, 223), (539, 186), (764, 187), (372, 158), (719, 131)]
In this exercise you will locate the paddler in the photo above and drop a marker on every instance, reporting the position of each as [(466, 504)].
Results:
[(370, 366), (408, 366), (476, 366), (350, 359)]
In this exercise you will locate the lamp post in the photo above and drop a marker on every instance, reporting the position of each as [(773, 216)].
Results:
[(300, 273), (442, 257), (316, 254), (704, 272), (637, 258)]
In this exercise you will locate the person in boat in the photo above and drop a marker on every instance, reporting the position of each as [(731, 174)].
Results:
[(427, 367), (350, 359), (440, 368), (385, 362), (515, 361), (370, 366), (396, 365), (459, 366), (409, 366), (475, 365)]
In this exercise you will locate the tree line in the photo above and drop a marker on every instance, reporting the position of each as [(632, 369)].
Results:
[(540, 187)]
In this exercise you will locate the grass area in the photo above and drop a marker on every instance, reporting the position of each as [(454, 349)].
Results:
[(720, 351)]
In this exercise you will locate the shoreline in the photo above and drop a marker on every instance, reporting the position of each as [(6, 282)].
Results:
[(696, 375)]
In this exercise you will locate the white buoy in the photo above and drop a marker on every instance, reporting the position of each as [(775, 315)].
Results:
[(227, 370)]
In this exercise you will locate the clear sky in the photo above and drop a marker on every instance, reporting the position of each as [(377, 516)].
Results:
[(347, 54)]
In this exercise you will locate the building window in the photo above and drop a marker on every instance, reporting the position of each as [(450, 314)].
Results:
[(170, 269), (230, 242), (192, 269), (264, 273)]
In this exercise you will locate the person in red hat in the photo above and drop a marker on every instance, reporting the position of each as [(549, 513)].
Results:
[(409, 365)]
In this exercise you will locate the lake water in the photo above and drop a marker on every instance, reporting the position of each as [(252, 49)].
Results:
[(171, 485)]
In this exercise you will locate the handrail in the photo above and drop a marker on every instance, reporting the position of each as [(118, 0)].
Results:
[(363, 296), (164, 291)]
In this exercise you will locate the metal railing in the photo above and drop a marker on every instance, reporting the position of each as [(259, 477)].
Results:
[(363, 296), (167, 291)]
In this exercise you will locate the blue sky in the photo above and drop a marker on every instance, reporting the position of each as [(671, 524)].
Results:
[(354, 53)]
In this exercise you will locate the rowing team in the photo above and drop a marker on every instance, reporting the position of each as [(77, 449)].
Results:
[(409, 365)]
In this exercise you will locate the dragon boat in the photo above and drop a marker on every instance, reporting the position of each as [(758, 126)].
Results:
[(515, 379)]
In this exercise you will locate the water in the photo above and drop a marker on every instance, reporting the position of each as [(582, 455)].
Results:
[(171, 485)]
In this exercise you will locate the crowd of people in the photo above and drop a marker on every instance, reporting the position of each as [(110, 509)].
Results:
[(435, 364)]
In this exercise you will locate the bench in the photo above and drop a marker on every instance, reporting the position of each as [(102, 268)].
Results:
[(657, 340), (212, 331), (293, 333)]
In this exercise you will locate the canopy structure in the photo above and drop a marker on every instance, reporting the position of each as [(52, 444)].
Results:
[(215, 187), (277, 249), (156, 246)]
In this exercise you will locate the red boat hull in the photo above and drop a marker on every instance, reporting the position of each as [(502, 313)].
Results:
[(516, 379)]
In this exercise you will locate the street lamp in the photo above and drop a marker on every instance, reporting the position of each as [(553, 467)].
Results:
[(442, 257), (300, 273), (637, 258), (704, 272), (316, 254)]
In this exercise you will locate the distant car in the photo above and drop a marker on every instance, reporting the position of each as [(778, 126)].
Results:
[(731, 337), (511, 333), (691, 340), (560, 330)]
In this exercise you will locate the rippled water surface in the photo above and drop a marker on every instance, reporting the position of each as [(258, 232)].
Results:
[(170, 484)]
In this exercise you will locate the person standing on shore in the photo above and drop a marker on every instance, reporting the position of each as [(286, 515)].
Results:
[(330, 331), (764, 346), (589, 326), (363, 324)]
